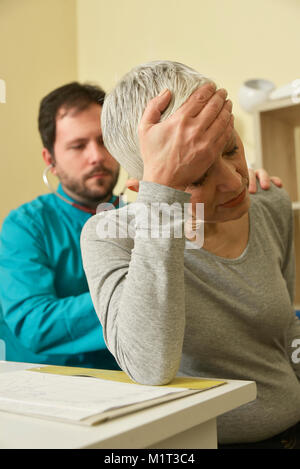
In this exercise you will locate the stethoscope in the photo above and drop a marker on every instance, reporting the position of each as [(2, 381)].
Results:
[(120, 200)]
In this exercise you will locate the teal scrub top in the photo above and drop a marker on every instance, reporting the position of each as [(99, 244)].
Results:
[(46, 314)]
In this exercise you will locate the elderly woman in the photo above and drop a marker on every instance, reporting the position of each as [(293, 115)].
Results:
[(218, 307)]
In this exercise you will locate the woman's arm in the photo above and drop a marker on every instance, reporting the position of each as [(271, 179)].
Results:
[(137, 287)]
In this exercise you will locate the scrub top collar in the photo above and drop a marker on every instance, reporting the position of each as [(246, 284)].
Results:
[(78, 208)]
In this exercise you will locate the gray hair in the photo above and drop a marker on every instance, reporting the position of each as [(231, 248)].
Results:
[(125, 104)]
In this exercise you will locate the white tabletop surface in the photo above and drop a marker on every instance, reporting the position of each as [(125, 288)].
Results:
[(140, 429)]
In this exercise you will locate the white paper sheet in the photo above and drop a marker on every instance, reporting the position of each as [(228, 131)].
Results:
[(70, 397)]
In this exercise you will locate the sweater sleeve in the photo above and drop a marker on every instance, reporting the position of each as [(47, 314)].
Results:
[(137, 284), (40, 320)]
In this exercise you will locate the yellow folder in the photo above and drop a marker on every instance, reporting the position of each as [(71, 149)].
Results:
[(120, 376)]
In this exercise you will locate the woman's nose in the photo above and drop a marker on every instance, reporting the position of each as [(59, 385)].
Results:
[(229, 178)]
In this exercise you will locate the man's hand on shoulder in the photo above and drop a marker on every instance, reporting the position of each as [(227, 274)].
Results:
[(264, 179)]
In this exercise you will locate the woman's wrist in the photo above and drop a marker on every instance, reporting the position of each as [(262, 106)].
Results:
[(163, 181)]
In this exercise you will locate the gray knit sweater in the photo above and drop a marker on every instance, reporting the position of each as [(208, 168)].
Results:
[(166, 308)]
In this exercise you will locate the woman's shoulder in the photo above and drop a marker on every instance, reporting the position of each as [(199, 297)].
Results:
[(276, 200), (274, 208), (113, 225)]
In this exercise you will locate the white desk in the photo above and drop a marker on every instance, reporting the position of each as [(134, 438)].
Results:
[(188, 422)]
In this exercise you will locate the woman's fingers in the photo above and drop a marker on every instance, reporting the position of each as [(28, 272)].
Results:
[(211, 112), (197, 101), (225, 137), (219, 125), (154, 109)]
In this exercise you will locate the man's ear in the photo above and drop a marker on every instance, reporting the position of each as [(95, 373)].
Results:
[(133, 184), (49, 160)]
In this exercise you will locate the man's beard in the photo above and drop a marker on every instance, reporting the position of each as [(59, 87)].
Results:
[(86, 194)]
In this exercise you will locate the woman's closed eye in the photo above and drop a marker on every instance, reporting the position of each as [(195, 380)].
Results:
[(231, 152), (228, 154), (201, 181)]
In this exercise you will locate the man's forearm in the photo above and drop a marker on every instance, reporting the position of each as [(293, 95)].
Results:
[(53, 326)]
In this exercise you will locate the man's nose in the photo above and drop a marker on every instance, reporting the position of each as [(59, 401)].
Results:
[(96, 153), (229, 178)]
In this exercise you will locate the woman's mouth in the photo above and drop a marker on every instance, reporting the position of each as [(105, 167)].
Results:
[(235, 201)]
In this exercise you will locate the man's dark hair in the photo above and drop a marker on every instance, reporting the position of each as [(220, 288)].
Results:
[(71, 96)]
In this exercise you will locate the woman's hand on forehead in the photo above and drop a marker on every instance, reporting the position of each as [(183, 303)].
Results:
[(188, 142)]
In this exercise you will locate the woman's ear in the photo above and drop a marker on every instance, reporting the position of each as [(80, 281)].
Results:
[(133, 185)]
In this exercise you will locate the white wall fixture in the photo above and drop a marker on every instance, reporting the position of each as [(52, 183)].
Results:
[(2, 91), (254, 92), (291, 90)]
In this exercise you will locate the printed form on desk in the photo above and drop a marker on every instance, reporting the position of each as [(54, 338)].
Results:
[(74, 395)]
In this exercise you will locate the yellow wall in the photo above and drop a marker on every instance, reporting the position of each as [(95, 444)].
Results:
[(229, 40), (38, 52), (46, 43)]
